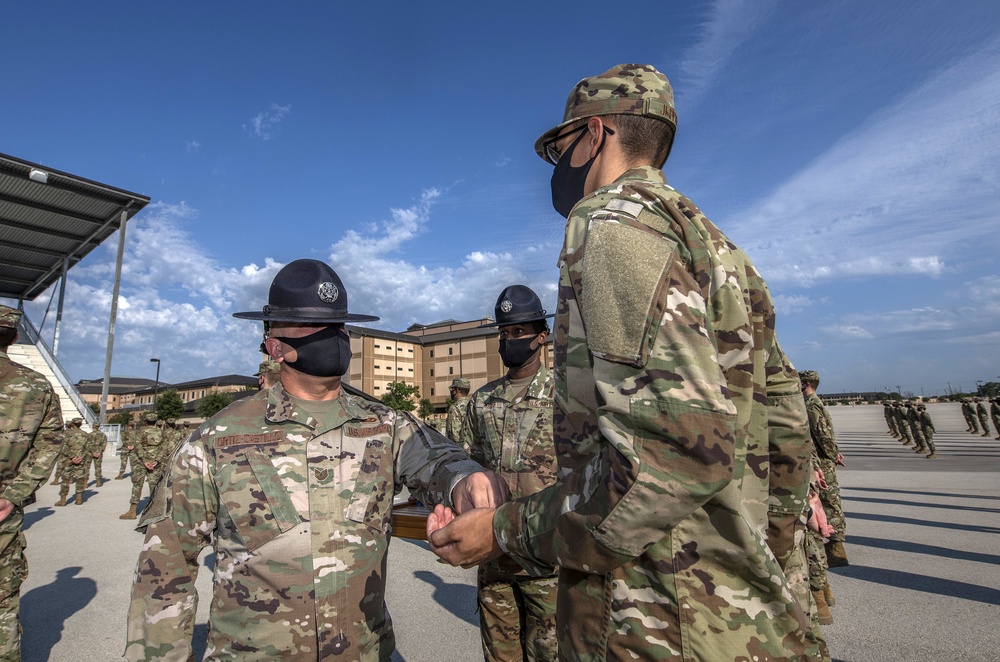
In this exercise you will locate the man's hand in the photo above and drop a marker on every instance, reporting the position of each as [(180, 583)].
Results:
[(840, 459), (149, 465), (96, 454), (6, 508), (77, 460), (466, 540), (821, 480), (483, 489)]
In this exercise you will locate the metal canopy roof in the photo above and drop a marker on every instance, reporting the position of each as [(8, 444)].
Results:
[(47, 216)]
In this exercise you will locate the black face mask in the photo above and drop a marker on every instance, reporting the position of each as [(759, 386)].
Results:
[(326, 353), (515, 353), (568, 183)]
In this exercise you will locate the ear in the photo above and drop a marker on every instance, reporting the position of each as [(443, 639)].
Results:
[(274, 349), (595, 127)]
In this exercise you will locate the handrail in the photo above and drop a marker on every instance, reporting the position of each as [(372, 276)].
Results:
[(60, 373)]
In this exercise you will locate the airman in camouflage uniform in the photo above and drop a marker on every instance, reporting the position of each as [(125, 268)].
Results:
[(984, 418), (913, 420), (926, 429), (151, 454), (293, 488), (995, 415), (459, 392), (126, 450), (508, 428), (76, 466), (969, 412), (890, 418), (95, 454), (664, 345), (268, 373), (821, 429), (902, 424), (31, 429)]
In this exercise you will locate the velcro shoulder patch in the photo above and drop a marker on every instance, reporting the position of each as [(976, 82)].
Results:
[(629, 207)]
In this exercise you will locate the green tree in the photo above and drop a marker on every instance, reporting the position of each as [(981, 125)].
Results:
[(95, 407), (399, 396), (212, 403), (426, 408), (168, 405), (121, 418)]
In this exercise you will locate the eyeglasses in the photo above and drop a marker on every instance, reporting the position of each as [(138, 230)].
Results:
[(553, 153)]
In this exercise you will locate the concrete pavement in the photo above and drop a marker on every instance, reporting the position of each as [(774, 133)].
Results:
[(923, 584)]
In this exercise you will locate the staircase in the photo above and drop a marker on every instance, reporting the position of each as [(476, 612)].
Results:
[(31, 351)]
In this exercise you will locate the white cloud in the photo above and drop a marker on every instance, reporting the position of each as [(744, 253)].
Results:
[(263, 123), (848, 332), (191, 146), (730, 23), (903, 194), (502, 162), (791, 303)]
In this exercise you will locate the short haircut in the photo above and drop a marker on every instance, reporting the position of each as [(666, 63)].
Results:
[(540, 325), (7, 336), (644, 139)]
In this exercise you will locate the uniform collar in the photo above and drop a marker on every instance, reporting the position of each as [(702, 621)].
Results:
[(540, 386), (281, 408)]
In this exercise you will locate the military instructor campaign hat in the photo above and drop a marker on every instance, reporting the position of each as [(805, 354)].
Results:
[(625, 89), (517, 304), (306, 291), (9, 317)]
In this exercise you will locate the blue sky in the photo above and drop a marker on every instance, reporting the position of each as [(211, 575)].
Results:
[(851, 148)]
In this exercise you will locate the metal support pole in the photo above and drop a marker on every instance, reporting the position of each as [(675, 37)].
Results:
[(59, 308), (114, 315)]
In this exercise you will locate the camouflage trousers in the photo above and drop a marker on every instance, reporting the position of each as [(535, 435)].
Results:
[(918, 436), (141, 474), (78, 473), (904, 431), (831, 499), (796, 571), (973, 424), (13, 571), (517, 614), (929, 438), (891, 422), (984, 420), (996, 422), (816, 555), (98, 463), (126, 457)]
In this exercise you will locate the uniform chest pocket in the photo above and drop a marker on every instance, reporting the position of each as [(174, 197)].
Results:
[(258, 504), (371, 501)]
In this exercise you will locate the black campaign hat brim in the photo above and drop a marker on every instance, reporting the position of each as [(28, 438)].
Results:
[(525, 320), (320, 317)]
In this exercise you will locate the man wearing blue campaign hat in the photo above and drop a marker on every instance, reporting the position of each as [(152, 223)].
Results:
[(293, 487)]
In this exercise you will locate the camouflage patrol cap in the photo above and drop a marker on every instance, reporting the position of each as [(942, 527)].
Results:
[(9, 317), (625, 89), (268, 366), (309, 292), (809, 376), (460, 382), (77, 421), (171, 421), (150, 417)]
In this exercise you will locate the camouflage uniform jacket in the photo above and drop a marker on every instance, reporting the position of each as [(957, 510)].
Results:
[(298, 515), (77, 443), (659, 519), (926, 424), (514, 437), (31, 431), (97, 442), (153, 445), (456, 416), (821, 428)]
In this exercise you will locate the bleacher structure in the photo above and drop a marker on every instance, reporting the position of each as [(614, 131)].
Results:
[(49, 221)]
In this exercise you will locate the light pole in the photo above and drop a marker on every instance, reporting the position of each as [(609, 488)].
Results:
[(156, 389)]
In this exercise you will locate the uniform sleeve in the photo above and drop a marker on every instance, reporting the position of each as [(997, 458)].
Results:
[(472, 436), (821, 429), (45, 448), (789, 454), (427, 462), (664, 416), (164, 601)]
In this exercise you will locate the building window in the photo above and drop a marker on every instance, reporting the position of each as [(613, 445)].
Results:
[(432, 372), (432, 353), (378, 367), (378, 346), (451, 371), (410, 350), (399, 349), (449, 351), (432, 393), (377, 388), (399, 369), (411, 369)]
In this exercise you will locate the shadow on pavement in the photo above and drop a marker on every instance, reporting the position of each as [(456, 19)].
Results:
[(921, 583), (36, 515), (451, 596), (919, 522), (930, 550), (921, 493), (901, 502), (44, 611)]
